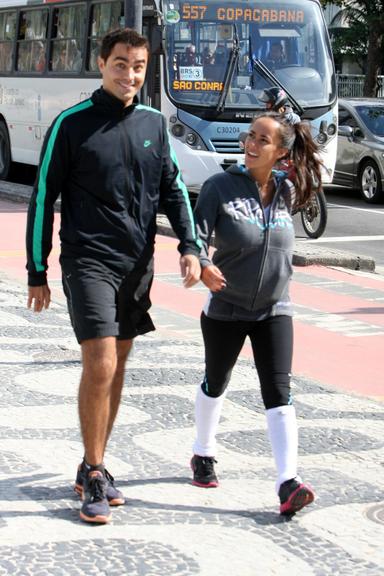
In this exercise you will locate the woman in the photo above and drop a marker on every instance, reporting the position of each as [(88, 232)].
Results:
[(248, 209)]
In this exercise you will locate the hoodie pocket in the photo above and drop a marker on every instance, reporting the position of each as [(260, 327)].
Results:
[(275, 279)]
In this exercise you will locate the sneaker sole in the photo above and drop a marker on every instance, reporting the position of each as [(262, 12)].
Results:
[(201, 485), (114, 502), (95, 519), (301, 497)]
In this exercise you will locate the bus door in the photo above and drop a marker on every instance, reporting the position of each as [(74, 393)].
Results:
[(150, 93)]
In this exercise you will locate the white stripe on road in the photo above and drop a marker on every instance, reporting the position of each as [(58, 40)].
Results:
[(336, 323), (332, 239), (370, 210)]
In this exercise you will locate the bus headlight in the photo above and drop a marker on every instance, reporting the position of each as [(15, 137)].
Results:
[(185, 134), (191, 139), (331, 130), (178, 130), (322, 138)]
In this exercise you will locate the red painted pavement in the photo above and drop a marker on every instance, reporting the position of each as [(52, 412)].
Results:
[(333, 359)]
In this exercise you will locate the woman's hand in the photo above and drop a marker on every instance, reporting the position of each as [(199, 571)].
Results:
[(190, 270), (212, 277)]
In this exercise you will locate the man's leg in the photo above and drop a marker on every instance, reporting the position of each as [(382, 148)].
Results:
[(99, 366), (99, 359), (123, 348)]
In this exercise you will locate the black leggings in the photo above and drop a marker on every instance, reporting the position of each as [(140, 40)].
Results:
[(272, 345)]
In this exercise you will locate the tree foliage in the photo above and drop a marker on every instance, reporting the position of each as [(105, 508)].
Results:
[(365, 19)]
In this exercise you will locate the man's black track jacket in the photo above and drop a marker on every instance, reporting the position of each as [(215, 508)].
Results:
[(113, 166)]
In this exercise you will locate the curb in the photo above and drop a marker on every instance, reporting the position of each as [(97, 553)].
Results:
[(304, 255)]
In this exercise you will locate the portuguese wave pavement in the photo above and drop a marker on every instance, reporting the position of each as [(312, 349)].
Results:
[(168, 526)]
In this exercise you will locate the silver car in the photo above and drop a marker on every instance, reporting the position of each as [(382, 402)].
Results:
[(360, 147)]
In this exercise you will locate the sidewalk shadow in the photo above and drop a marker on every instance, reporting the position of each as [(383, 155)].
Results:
[(23, 487), (65, 492), (378, 310), (260, 517), (38, 363)]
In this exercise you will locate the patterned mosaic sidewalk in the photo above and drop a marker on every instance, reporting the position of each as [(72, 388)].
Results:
[(168, 526)]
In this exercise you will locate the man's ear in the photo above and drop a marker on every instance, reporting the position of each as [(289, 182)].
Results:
[(100, 63)]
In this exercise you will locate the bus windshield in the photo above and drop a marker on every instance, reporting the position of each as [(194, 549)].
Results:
[(214, 50)]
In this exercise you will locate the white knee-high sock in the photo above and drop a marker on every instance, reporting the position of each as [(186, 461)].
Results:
[(207, 416), (282, 431)]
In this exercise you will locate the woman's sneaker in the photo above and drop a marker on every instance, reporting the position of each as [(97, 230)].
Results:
[(204, 471), (95, 506), (114, 496), (294, 495)]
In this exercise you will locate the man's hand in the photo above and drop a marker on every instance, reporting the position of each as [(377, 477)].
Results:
[(39, 297), (190, 270), (212, 277)]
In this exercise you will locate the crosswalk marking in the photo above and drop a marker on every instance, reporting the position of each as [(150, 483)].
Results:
[(336, 323)]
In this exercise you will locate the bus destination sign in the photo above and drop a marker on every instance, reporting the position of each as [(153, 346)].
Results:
[(237, 13)]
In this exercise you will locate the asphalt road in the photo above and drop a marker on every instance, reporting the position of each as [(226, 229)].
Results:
[(353, 226)]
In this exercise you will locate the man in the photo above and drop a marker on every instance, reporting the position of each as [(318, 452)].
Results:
[(190, 57), (110, 160), (276, 99), (276, 55)]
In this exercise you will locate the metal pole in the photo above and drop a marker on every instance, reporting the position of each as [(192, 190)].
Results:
[(133, 10)]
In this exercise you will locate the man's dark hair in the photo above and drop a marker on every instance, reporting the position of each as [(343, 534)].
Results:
[(126, 36)]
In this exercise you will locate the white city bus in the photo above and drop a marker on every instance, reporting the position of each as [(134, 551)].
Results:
[(211, 62)]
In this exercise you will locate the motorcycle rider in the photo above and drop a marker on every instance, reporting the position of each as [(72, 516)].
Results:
[(276, 99)]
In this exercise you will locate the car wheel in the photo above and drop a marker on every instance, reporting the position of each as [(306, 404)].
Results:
[(5, 152), (370, 182)]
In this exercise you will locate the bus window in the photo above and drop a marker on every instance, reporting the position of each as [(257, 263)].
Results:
[(7, 36), (105, 17), (32, 41), (67, 34)]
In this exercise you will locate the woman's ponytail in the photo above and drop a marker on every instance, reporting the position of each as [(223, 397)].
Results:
[(304, 156)]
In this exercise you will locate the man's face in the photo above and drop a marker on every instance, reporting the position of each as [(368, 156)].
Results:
[(124, 71), (275, 52)]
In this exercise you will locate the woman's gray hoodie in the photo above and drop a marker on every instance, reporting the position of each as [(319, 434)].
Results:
[(254, 246)]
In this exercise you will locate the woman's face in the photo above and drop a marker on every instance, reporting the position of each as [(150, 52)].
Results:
[(263, 144)]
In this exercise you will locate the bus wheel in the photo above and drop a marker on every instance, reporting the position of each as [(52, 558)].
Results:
[(5, 152)]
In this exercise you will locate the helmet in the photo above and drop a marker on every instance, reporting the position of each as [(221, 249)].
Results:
[(275, 96)]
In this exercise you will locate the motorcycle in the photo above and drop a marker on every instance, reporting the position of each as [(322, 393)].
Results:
[(314, 215)]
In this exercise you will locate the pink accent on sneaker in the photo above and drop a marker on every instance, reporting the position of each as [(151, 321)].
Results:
[(300, 497), (209, 485)]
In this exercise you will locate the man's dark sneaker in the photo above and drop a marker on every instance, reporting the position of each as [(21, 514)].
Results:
[(204, 471), (114, 496), (294, 495), (95, 506)]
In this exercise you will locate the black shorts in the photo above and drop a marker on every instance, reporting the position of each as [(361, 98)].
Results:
[(102, 302)]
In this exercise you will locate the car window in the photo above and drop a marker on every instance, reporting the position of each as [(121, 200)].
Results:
[(346, 118), (373, 118)]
